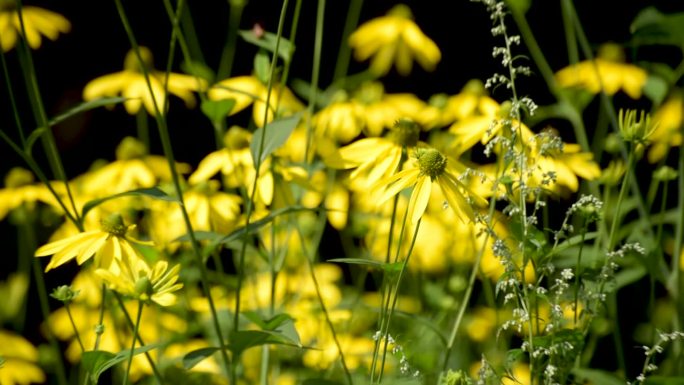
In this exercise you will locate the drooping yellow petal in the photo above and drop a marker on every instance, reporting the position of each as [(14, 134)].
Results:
[(419, 199)]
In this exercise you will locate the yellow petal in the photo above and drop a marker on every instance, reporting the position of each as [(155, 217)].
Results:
[(419, 199)]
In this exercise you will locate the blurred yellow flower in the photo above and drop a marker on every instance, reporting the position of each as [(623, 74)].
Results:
[(443, 110), (394, 38), (131, 84), (20, 189), (37, 22), (668, 120), (107, 244), (608, 72), (20, 366), (134, 278), (246, 90)]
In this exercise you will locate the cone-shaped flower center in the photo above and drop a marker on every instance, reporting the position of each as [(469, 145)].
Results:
[(402, 11), (114, 224), (130, 148), (131, 62), (475, 87), (236, 138), (405, 132), (431, 162), (611, 52), (18, 177), (8, 5), (438, 100), (143, 286)]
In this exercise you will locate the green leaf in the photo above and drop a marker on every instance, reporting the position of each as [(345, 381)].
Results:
[(597, 376), (267, 41), (268, 324), (651, 26), (97, 362), (275, 136), (217, 110), (262, 66), (655, 89), (199, 70), (196, 356), (388, 267), (319, 381), (663, 380), (245, 339), (85, 107), (152, 192)]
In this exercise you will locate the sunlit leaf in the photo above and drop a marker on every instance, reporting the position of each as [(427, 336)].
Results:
[(267, 40), (217, 110), (275, 136), (152, 192), (97, 362)]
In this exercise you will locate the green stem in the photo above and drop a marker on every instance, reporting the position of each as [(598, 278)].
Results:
[(135, 333), (137, 337), (73, 325), (578, 267), (100, 321), (313, 92), (13, 103), (168, 153), (48, 138), (228, 55), (675, 289), (344, 54), (257, 167), (143, 128), (568, 26)]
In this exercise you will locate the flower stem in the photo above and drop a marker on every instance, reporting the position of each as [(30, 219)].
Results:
[(225, 67), (344, 53), (135, 333), (168, 153)]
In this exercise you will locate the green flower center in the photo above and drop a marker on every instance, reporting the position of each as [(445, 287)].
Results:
[(438, 100), (130, 148), (402, 11), (633, 129), (18, 177), (474, 87), (143, 286), (405, 132), (611, 52), (131, 62), (114, 225), (370, 92), (431, 162)]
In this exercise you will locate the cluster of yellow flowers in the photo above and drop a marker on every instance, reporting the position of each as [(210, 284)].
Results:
[(376, 154)]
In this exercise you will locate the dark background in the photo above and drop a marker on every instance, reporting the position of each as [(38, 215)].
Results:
[(97, 45)]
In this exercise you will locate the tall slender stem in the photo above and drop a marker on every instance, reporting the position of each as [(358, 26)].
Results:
[(135, 333)]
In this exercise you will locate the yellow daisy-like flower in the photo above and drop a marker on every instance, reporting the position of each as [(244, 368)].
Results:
[(20, 366), (394, 38), (668, 120), (37, 22), (375, 158), (136, 279), (131, 84), (471, 101), (432, 168), (246, 90), (107, 244), (607, 72)]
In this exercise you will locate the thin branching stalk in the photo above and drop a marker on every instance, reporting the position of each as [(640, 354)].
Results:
[(135, 333), (168, 153)]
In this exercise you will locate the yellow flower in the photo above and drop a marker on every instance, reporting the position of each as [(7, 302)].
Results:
[(471, 101), (19, 189), (394, 38), (376, 158), (107, 244), (607, 72), (20, 365), (246, 90), (134, 278), (668, 121), (132, 169), (131, 84), (37, 22), (430, 167)]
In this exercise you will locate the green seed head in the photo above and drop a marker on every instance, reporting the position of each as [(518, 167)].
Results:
[(64, 293), (143, 287), (405, 132), (236, 138), (370, 92), (431, 162), (401, 10), (612, 52), (8, 5), (114, 224), (475, 87)]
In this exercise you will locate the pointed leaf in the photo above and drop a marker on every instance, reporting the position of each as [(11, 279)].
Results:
[(268, 324), (217, 110), (196, 356), (152, 192), (597, 376), (267, 40), (97, 362), (85, 107), (388, 267), (245, 339), (199, 70), (275, 136)]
